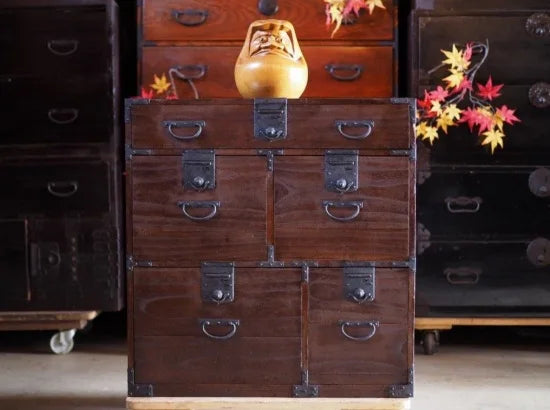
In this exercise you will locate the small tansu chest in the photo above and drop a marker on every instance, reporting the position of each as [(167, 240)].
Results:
[(271, 247)]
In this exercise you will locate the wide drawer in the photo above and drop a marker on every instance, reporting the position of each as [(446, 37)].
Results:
[(196, 20), (333, 71), (485, 203), (174, 224), (508, 34), (203, 124), (371, 223), (484, 278), (254, 340), (54, 188), (64, 40)]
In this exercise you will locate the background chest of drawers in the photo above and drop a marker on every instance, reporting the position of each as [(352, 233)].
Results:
[(60, 209), (263, 267), (197, 42), (484, 220)]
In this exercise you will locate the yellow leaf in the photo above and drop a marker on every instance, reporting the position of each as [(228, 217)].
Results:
[(456, 59), (493, 137), (371, 4), (455, 79), (443, 122), (498, 121), (160, 84), (452, 112), (431, 134), (436, 107), (421, 129)]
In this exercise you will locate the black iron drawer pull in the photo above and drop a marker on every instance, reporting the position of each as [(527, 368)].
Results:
[(233, 323), (368, 124), (268, 7), (372, 324), (62, 189), (355, 69), (358, 205), (184, 124), (463, 205), (462, 276), (56, 115), (199, 204), (539, 95), (538, 25), (180, 17), (63, 47)]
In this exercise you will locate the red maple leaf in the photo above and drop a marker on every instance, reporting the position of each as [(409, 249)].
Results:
[(426, 103), (485, 123), (464, 85), (488, 91), (145, 94), (439, 94), (470, 116), (171, 96), (355, 5), (468, 52), (507, 115)]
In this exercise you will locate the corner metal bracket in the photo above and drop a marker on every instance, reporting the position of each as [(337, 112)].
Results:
[(305, 389), (270, 154), (402, 391), (271, 262), (131, 263), (138, 390), (129, 152)]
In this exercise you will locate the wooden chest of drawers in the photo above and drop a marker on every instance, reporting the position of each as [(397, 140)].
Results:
[(200, 41), (270, 263)]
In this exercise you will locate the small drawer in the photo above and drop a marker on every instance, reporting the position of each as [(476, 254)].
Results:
[(55, 188), (198, 20), (347, 338), (333, 71), (367, 223), (485, 203), (253, 340), (322, 124)]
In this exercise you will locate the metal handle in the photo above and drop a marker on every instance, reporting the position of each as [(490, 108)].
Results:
[(368, 124), (459, 205), (539, 182), (192, 72), (178, 14), (63, 47), (184, 124), (462, 276), (372, 324), (538, 25), (356, 71), (55, 185), (234, 323), (358, 205), (268, 7), (539, 95), (199, 204), (72, 114)]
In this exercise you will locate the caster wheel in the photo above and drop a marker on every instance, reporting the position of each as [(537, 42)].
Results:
[(429, 342), (62, 342)]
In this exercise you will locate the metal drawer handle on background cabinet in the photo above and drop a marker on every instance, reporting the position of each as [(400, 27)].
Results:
[(367, 124), (190, 17), (539, 95), (538, 252), (539, 182), (463, 275), (171, 125), (62, 47), (63, 116), (463, 205), (355, 69), (538, 25), (233, 323), (372, 325), (268, 7), (62, 189), (187, 73), (199, 204), (357, 205)]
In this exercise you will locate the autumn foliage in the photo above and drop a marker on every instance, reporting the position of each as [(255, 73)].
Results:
[(439, 108), (337, 11)]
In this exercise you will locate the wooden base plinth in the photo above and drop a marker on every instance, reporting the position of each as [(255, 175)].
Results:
[(445, 323), (45, 320), (263, 403)]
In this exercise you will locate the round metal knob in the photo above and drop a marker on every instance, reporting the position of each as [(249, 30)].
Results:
[(359, 293), (271, 132), (341, 183), (198, 181), (539, 95), (217, 295)]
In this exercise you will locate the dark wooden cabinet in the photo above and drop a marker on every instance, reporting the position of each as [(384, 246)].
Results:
[(60, 209), (252, 270), (483, 219)]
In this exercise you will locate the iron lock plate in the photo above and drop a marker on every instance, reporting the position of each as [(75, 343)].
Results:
[(270, 118), (218, 282), (341, 170), (359, 283), (199, 169)]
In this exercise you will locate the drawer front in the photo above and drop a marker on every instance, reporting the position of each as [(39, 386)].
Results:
[(484, 277), (63, 39), (382, 357), (171, 345), (229, 226), (473, 203), (14, 271), (508, 36), (367, 71), (229, 21), (54, 189), (371, 223), (309, 125)]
